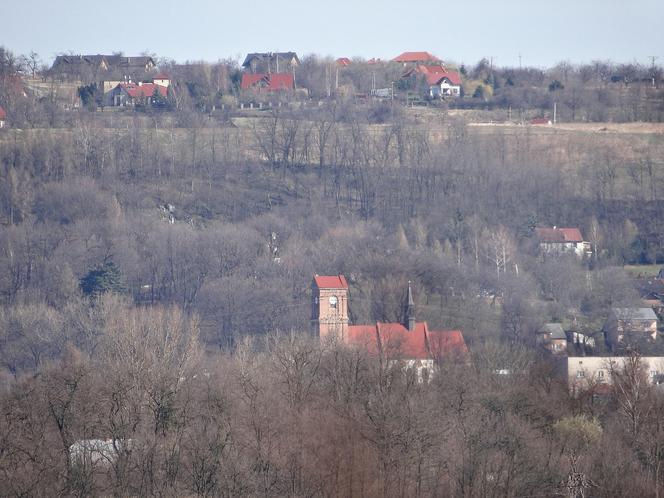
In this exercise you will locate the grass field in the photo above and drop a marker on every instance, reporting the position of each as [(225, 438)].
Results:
[(643, 271)]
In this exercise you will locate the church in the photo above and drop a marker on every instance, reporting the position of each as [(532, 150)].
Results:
[(411, 343)]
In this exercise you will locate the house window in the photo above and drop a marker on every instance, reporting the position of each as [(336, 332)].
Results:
[(600, 374), (580, 374), (333, 302), (653, 374)]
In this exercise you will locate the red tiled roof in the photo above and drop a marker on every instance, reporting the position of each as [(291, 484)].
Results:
[(135, 90), (559, 235), (272, 81), (396, 341), (435, 74), (416, 57), (3, 114), (343, 61), (331, 282)]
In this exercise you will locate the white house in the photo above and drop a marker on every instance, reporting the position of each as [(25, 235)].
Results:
[(562, 240)]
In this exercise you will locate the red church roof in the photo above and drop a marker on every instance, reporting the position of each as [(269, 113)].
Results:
[(559, 235), (331, 282), (268, 81), (416, 57), (397, 342), (135, 90)]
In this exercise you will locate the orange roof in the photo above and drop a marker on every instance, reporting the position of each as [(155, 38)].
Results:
[(343, 61), (560, 235), (331, 282), (272, 81), (416, 57), (435, 74), (396, 341), (145, 90)]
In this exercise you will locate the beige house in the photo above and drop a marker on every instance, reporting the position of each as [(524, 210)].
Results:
[(588, 372)]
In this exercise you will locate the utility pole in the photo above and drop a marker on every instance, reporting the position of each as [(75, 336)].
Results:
[(520, 61), (554, 113)]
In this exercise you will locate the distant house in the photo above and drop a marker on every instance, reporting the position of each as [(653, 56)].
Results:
[(553, 337), (416, 58), (652, 292), (132, 94), (540, 121), (3, 117), (267, 62), (624, 321), (410, 345), (267, 82), (562, 240), (439, 81), (162, 79), (343, 61), (91, 67)]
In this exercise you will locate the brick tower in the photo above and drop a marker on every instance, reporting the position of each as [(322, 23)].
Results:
[(329, 307)]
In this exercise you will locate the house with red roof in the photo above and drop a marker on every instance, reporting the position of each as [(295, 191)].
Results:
[(438, 80), (3, 117), (410, 344), (562, 240), (343, 61), (132, 94), (416, 58), (267, 82)]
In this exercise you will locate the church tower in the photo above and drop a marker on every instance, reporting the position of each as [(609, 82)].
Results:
[(409, 310), (329, 307)]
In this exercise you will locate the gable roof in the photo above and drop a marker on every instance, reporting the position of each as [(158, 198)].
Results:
[(434, 74), (270, 56), (135, 90), (558, 235), (395, 341), (555, 331), (634, 314), (330, 282), (268, 81), (416, 57)]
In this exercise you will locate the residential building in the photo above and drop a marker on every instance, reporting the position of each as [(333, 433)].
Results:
[(132, 94), (343, 61), (3, 117), (641, 322), (586, 373), (410, 344), (268, 62), (557, 241), (438, 81), (553, 337), (91, 67)]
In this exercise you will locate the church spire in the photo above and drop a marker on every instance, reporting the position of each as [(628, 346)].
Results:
[(410, 309)]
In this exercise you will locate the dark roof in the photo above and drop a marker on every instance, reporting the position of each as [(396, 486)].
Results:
[(554, 330), (111, 61), (634, 313), (270, 56)]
